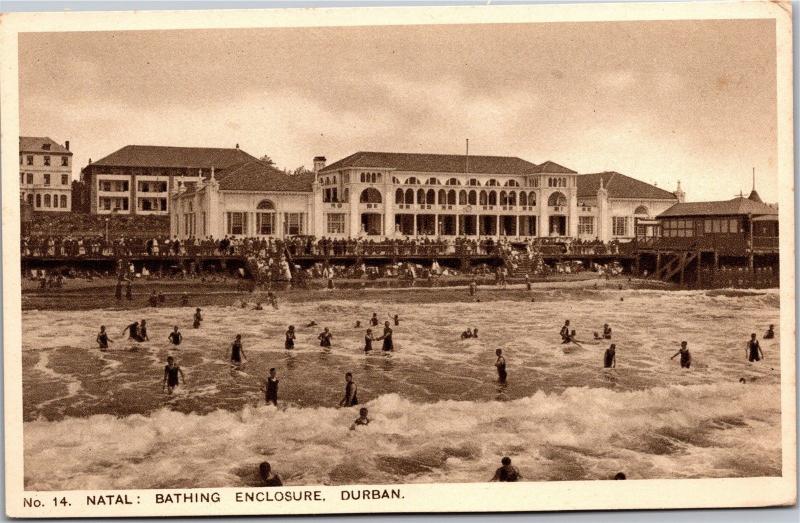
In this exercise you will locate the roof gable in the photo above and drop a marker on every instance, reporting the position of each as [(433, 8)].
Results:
[(549, 167), (620, 186), (167, 156), (35, 144), (435, 163), (258, 176)]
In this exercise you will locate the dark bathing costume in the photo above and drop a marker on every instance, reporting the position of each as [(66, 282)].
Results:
[(102, 339), (608, 359), (289, 344), (325, 339), (236, 352), (367, 344), (172, 375), (686, 359), (501, 370), (507, 475), (175, 338), (348, 393), (272, 390), (387, 339), (754, 346), (134, 332)]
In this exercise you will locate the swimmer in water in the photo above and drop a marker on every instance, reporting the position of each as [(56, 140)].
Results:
[(770, 334), (388, 345), (103, 339), (143, 331), (171, 372), (368, 340), (474, 332), (269, 478), (606, 331), (357, 325), (198, 318), (237, 351), (610, 357), (290, 337), (564, 332), (312, 323), (396, 320), (466, 334), (753, 351), (473, 286), (362, 418), (350, 392), (271, 390), (686, 357), (507, 472), (325, 338), (153, 299), (620, 476), (500, 363), (527, 282), (175, 337), (133, 331), (273, 300), (374, 320), (258, 307)]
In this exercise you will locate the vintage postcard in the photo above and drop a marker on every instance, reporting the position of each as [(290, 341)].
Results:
[(450, 259)]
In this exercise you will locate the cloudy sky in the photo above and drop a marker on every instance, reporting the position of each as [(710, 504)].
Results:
[(661, 101)]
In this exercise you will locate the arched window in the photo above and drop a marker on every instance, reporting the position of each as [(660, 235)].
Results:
[(442, 196), (334, 178), (326, 195), (395, 180), (451, 197), (432, 181), (30, 199), (512, 183), (370, 195), (346, 196), (472, 198), (47, 200), (420, 195), (398, 197), (491, 182), (483, 199), (474, 182), (377, 178), (532, 199), (462, 197), (38, 200), (453, 181), (430, 197), (642, 210), (523, 199), (557, 199), (412, 181), (503, 198), (493, 198), (363, 177), (512, 199), (409, 196)]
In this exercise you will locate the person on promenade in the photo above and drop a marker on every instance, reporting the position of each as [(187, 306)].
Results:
[(171, 372), (500, 364), (507, 472), (754, 352), (686, 357), (325, 337), (271, 389), (350, 392), (103, 339)]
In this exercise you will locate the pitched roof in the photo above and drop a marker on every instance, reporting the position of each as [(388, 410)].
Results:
[(166, 156), (620, 186), (256, 175), (34, 144), (441, 163), (553, 168), (736, 206), (755, 197)]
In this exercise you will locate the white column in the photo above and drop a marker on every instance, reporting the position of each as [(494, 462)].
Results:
[(543, 228), (572, 219)]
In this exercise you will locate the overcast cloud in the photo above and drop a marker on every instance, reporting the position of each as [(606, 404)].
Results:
[(660, 101)]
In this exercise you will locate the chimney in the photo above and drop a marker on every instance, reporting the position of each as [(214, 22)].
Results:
[(319, 163), (66, 145)]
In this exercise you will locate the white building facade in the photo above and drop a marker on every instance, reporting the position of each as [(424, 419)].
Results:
[(397, 195), (45, 174)]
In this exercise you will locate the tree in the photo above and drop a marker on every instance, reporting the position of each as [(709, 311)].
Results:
[(300, 170)]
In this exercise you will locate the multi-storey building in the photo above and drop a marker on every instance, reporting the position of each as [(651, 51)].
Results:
[(45, 174), (138, 179), (398, 195)]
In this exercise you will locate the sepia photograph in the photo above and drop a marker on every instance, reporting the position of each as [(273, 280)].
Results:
[(253, 258)]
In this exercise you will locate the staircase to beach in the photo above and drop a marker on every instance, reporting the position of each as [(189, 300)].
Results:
[(529, 264)]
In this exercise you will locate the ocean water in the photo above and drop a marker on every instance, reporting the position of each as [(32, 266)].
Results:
[(101, 420)]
